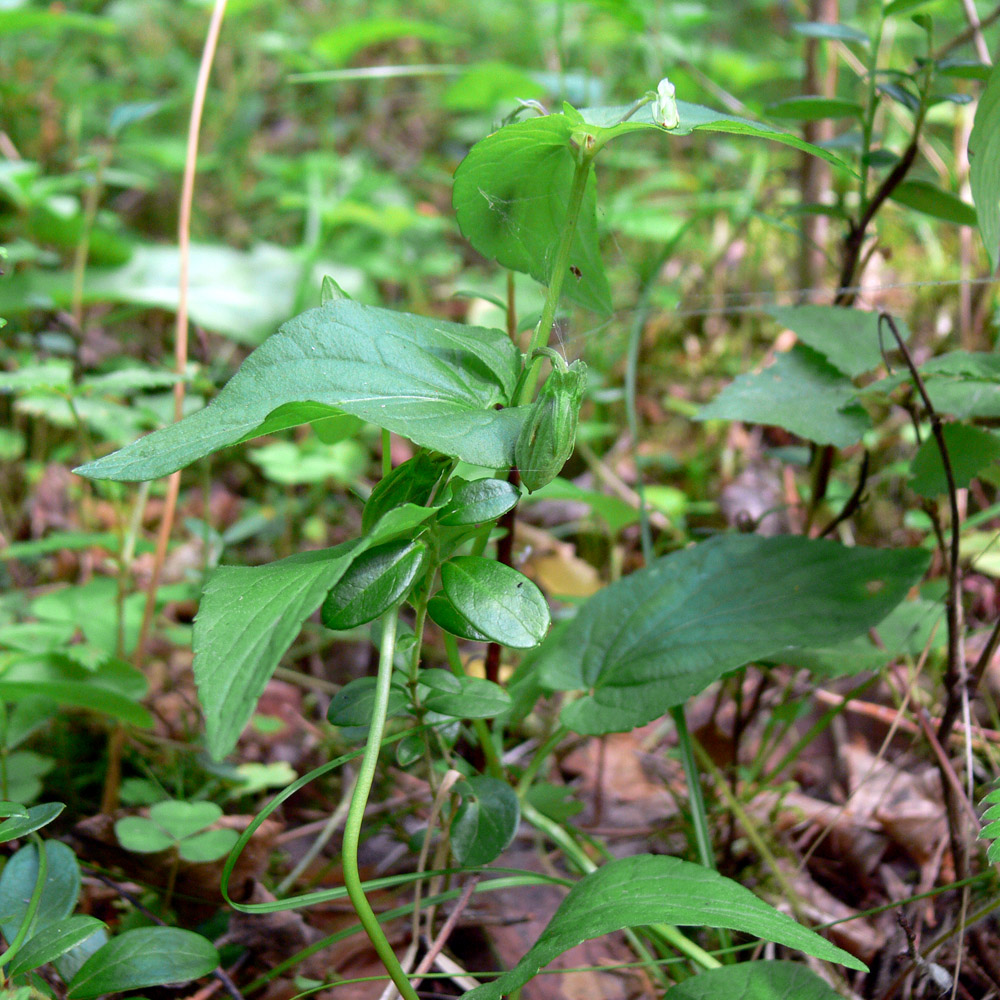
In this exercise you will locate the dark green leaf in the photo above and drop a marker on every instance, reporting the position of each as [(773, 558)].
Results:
[(837, 32), (146, 956), (55, 940), (754, 981), (810, 109), (984, 165), (970, 450), (496, 600), (435, 382), (650, 641), (352, 704), (928, 198), (903, 7), (410, 482), (17, 883), (445, 615), (485, 822), (478, 501), (38, 816), (510, 196), (250, 615), (847, 338), (463, 697), (901, 95), (801, 392), (374, 582), (648, 889)]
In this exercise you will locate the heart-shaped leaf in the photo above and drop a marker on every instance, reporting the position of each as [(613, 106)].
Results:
[(650, 641), (145, 956), (651, 889), (496, 600), (435, 382), (181, 819), (485, 822)]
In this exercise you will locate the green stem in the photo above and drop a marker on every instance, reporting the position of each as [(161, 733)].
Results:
[(540, 338), (33, 903), (580, 858), (493, 763), (356, 814), (699, 816), (540, 757)]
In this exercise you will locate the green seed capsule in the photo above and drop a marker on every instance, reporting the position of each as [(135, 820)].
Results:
[(546, 441)]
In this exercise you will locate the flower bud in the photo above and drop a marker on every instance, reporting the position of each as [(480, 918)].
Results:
[(665, 106)]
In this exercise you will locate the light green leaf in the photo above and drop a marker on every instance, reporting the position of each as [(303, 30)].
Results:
[(510, 197), (249, 616), (38, 816), (922, 196), (650, 641), (463, 697), (754, 981), (984, 165), (17, 882), (836, 32), (209, 845), (810, 109), (970, 450), (801, 392), (55, 940), (338, 45), (436, 382), (181, 819), (649, 889), (847, 338), (146, 956), (496, 600), (136, 833)]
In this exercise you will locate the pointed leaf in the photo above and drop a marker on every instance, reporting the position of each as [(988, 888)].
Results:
[(146, 956), (410, 482), (485, 822), (928, 198), (38, 816), (970, 450), (984, 165), (374, 582), (249, 616), (801, 392), (648, 889), (496, 600), (650, 641), (55, 940), (510, 197), (435, 382), (836, 32), (754, 981), (810, 109)]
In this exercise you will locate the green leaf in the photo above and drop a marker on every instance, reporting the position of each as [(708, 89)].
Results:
[(811, 109), (374, 582), (754, 981), (15, 809), (338, 45), (352, 705), (970, 450), (510, 196), (485, 822), (835, 32), (650, 641), (146, 956), (210, 845), (412, 481), (847, 338), (496, 600), (250, 615), (648, 889), (478, 501), (142, 835), (55, 940), (984, 165), (17, 883), (898, 7), (929, 199), (181, 819), (801, 392), (445, 615), (435, 382), (38, 816), (463, 697)]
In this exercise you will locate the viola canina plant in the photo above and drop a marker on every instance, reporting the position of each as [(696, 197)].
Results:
[(428, 557)]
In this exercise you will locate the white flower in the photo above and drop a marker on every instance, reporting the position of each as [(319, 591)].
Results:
[(665, 106)]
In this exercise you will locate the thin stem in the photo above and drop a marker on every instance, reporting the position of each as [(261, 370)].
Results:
[(493, 763), (356, 814), (33, 903)]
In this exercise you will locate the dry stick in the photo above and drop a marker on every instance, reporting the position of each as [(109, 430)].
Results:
[(446, 928), (112, 781), (969, 34)]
